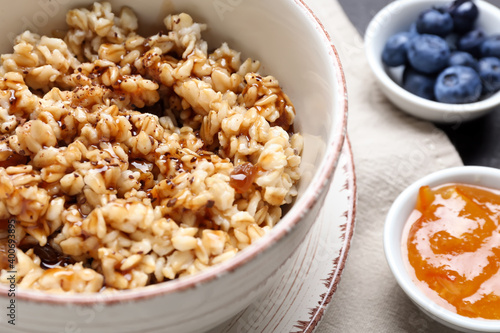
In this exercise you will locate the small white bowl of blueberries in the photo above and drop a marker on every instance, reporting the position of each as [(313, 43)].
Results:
[(437, 59)]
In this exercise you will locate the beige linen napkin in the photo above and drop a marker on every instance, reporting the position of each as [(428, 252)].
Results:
[(391, 150)]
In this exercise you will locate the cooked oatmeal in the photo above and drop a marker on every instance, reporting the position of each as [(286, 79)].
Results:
[(128, 160)]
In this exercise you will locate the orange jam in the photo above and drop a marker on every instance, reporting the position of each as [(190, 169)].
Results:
[(453, 245)]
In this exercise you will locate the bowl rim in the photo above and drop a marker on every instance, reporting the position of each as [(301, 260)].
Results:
[(374, 60), (316, 187), (392, 243)]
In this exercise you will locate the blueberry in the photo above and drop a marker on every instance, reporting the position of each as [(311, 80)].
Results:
[(452, 40), (458, 85), (459, 58), (413, 29), (464, 14), (489, 71), (471, 42), (418, 83), (428, 53), (435, 21), (394, 53), (491, 46)]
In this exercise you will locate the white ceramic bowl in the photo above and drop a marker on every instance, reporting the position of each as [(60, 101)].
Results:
[(292, 45), (393, 231), (398, 16)]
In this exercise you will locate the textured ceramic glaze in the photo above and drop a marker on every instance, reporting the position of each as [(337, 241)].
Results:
[(398, 16), (393, 230), (291, 45)]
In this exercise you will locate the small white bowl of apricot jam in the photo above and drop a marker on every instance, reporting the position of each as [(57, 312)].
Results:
[(442, 243)]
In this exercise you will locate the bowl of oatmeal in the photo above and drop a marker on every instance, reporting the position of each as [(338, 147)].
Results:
[(160, 161)]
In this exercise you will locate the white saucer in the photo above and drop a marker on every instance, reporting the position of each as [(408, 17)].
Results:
[(307, 283)]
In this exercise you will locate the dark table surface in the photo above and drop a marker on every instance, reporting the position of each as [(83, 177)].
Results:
[(477, 141)]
